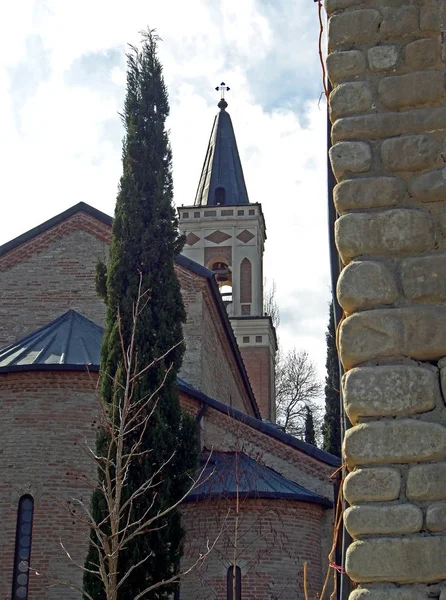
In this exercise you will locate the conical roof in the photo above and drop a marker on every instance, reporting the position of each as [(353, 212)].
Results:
[(222, 180), (227, 474), (70, 341)]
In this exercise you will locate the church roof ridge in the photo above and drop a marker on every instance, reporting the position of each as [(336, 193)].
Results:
[(222, 180), (56, 220), (268, 428)]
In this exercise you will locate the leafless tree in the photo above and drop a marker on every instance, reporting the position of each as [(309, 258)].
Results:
[(124, 423), (297, 387), (270, 306)]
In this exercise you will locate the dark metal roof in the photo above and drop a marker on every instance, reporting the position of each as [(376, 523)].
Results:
[(226, 474), (222, 167), (71, 340), (267, 428)]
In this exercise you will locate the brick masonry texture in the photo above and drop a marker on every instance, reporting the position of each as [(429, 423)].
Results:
[(45, 418), (46, 415), (275, 538), (386, 65)]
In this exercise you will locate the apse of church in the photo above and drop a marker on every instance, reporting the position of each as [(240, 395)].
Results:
[(226, 233)]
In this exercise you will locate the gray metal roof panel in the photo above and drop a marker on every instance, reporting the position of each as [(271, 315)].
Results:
[(227, 474), (69, 340)]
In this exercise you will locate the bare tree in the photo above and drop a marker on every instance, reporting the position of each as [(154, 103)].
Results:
[(122, 427), (270, 306), (297, 388)]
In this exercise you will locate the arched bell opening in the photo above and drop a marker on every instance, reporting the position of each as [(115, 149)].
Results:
[(223, 277)]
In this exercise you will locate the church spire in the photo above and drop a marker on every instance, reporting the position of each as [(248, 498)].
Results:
[(222, 180)]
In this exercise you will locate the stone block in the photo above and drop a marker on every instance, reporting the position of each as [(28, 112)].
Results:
[(429, 187), (424, 278), (390, 390), (382, 58), (345, 65), (350, 98), (387, 124), (399, 21), (430, 16), (371, 519), (390, 593), (443, 381), (394, 441), (332, 5), (365, 284), (410, 153), (374, 484), (415, 331), (436, 517), (401, 560), (426, 482), (421, 53), (388, 233), (411, 90), (354, 157), (353, 26), (369, 192)]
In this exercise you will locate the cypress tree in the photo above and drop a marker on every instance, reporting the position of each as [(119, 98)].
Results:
[(143, 248), (310, 436), (331, 428)]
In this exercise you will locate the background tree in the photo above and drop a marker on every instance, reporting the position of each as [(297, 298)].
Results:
[(270, 306), (297, 388), (331, 428), (144, 245), (310, 434)]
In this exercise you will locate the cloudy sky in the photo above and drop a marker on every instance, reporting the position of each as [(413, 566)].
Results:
[(62, 75)]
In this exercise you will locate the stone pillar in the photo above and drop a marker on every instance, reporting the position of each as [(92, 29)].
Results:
[(388, 109)]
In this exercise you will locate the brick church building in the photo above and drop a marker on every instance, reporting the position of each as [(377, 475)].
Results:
[(51, 322)]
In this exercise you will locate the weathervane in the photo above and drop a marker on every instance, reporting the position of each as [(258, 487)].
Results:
[(222, 88)]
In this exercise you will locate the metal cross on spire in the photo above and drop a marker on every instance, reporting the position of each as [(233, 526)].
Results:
[(222, 88)]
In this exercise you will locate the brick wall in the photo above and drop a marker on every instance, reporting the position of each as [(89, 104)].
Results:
[(274, 539), (44, 418), (388, 110), (55, 271), (50, 274), (258, 365)]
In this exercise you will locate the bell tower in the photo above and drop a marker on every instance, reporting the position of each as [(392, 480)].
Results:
[(226, 233)]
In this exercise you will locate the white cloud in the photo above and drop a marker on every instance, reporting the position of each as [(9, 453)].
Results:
[(68, 146)]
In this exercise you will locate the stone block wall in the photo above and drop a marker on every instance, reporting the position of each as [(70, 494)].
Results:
[(386, 64)]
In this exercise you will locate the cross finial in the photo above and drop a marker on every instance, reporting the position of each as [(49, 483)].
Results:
[(222, 88)]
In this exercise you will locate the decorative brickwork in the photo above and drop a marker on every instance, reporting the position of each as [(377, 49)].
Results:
[(192, 239), (388, 110), (245, 281), (217, 237), (215, 253), (245, 236)]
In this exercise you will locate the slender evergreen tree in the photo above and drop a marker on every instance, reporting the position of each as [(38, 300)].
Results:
[(144, 244), (331, 428), (310, 436)]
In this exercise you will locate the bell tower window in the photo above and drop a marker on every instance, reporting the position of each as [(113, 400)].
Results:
[(220, 195)]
